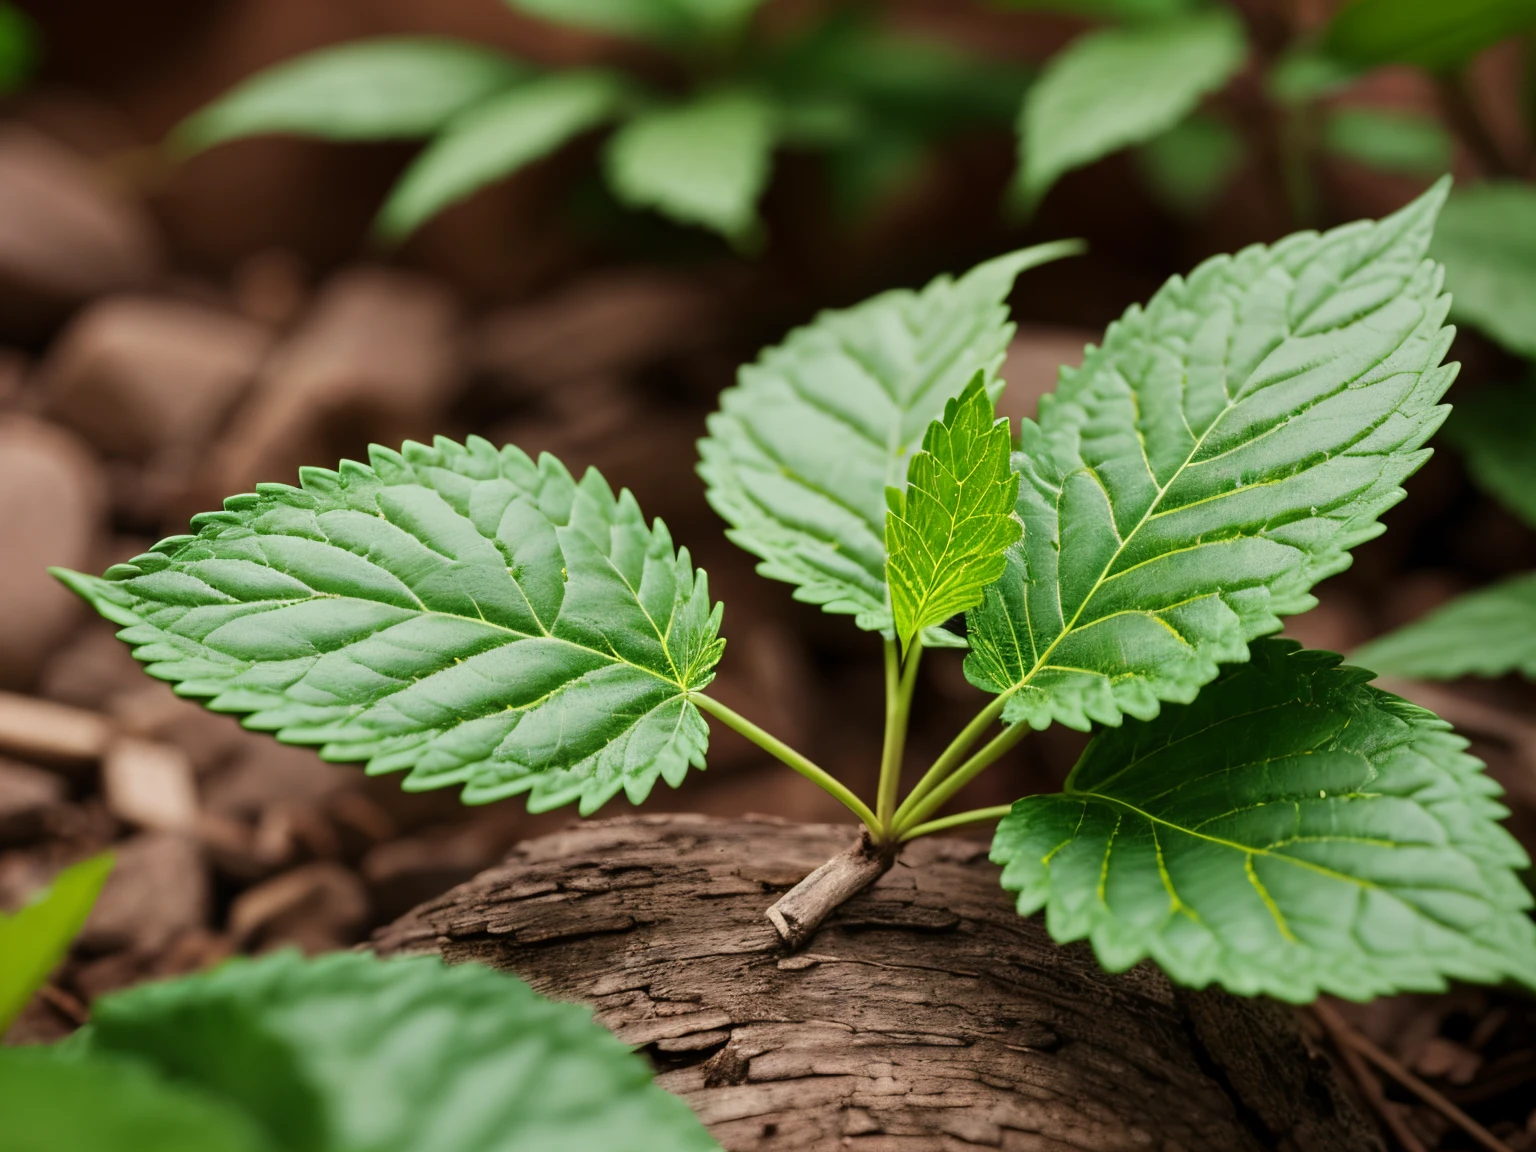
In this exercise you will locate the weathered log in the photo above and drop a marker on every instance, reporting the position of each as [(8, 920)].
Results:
[(924, 1015)]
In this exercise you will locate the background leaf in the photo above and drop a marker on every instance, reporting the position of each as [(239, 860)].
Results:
[(1119, 87), (400, 1056), (494, 139), (1493, 428), (1487, 241), (946, 539), (457, 612), (800, 455), (1391, 141), (1432, 34), (1293, 831), (1190, 165), (667, 21), (33, 941), (368, 90), (1219, 455), (1490, 632), (18, 47)]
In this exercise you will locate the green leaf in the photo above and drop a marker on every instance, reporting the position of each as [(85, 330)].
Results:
[(948, 531), (800, 455), (397, 1055), (705, 162), (495, 138), (1490, 632), (1487, 241), (18, 47), (1431, 34), (1492, 428), (1130, 10), (1293, 831), (1390, 141), (457, 612), (370, 90), (1219, 455), (1191, 164), (54, 1104), (666, 21), (35, 939), (1118, 87)]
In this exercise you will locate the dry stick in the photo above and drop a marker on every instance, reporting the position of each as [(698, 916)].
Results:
[(1349, 1038), (800, 911), (64, 1004)]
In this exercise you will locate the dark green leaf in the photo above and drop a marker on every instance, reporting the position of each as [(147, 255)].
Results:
[(1219, 455), (1487, 241), (665, 21), (1190, 165), (457, 612), (1131, 10), (18, 47), (801, 453), (370, 90), (1293, 831), (34, 940), (950, 527), (1490, 632), (1391, 141), (1434, 34), (1494, 429)]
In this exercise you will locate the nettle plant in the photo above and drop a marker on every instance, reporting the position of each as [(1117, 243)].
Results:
[(1247, 813)]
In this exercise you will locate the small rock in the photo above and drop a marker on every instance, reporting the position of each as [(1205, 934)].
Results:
[(151, 785), (52, 504), (158, 889), (54, 733), (319, 907), (137, 376), (27, 797)]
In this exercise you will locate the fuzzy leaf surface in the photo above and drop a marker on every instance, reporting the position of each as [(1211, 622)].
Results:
[(948, 531), (1119, 87), (35, 938), (371, 90), (1293, 831), (457, 612), (1218, 456), (803, 449), (1493, 429), (1427, 33), (350, 1052), (1487, 241), (1490, 632)]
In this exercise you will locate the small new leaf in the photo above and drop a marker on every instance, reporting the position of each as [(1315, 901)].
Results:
[(1293, 831), (947, 535), (457, 612), (1219, 455), (34, 939), (1490, 632)]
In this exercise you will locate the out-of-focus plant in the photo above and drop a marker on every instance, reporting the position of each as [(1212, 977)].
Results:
[(34, 939), (18, 47)]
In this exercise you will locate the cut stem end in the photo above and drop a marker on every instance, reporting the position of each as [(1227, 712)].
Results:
[(800, 911)]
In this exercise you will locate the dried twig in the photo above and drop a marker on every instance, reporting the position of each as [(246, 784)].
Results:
[(1390, 1113), (64, 1004)]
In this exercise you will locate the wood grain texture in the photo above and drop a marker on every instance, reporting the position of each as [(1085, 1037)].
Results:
[(925, 1014)]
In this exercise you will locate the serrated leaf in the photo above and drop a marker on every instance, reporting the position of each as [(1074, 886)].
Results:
[(1490, 632), (1494, 428), (453, 611), (800, 455), (948, 531), (34, 939), (704, 162), (495, 138), (1293, 831), (1431, 34), (1390, 141), (396, 1055), (665, 21), (1118, 87), (56, 1104), (1487, 241), (370, 90), (1219, 455)]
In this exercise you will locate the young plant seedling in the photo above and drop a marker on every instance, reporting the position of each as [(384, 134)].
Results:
[(474, 618)]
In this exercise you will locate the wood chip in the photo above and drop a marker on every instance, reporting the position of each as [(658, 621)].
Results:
[(40, 729), (151, 785)]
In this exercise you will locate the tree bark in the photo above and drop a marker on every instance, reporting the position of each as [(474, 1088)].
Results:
[(924, 1015)]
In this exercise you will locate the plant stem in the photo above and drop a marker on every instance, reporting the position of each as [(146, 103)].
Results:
[(974, 816), (950, 757), (781, 751), (960, 777), (900, 680)]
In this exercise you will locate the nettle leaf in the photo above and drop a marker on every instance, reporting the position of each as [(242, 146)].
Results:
[(457, 612), (948, 530), (370, 90), (1219, 455), (1487, 241), (1490, 632), (34, 939), (1493, 428), (349, 1052), (704, 162), (1118, 87), (665, 21), (803, 449), (1293, 831), (495, 138), (1428, 33)]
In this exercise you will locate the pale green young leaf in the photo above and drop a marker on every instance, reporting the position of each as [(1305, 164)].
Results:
[(1494, 429), (352, 1052), (54, 1103), (1291, 832), (1490, 632), (1220, 454), (368, 90), (675, 22), (34, 940), (1487, 241), (457, 612), (495, 138), (704, 162), (1118, 87), (947, 532), (1390, 141), (1433, 34), (800, 455)]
